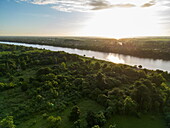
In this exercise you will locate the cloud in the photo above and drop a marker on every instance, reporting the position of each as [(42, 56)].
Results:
[(166, 4), (113, 6), (70, 8), (125, 5), (92, 5), (97, 5), (79, 5), (149, 4)]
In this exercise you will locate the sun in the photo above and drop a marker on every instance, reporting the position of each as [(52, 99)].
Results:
[(122, 22)]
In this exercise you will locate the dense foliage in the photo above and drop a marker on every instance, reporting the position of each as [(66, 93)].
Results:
[(49, 82), (153, 47)]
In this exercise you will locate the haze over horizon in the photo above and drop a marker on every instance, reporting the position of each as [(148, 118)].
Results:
[(97, 18)]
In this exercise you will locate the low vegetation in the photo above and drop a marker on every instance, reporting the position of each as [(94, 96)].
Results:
[(41, 88)]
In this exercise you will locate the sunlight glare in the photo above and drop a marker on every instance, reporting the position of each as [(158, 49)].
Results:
[(120, 23), (115, 59)]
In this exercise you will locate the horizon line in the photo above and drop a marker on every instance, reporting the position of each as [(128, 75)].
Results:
[(102, 37)]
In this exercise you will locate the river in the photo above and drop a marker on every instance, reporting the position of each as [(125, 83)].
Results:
[(112, 57)]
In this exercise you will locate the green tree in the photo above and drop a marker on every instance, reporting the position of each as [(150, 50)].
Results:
[(75, 114), (142, 95), (97, 66), (96, 126), (63, 65), (129, 105), (77, 124), (23, 85), (7, 122), (100, 118), (44, 71), (48, 77), (102, 98), (95, 119), (54, 121), (113, 126), (158, 79), (101, 81)]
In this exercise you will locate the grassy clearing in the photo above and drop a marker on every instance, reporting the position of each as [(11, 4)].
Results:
[(34, 122), (146, 121), (10, 100), (85, 105), (168, 83)]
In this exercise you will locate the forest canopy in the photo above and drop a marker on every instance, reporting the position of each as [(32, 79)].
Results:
[(48, 84)]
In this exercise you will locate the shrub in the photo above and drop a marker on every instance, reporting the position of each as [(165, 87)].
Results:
[(77, 124), (96, 126), (95, 119), (45, 116), (75, 114), (7, 122), (53, 121)]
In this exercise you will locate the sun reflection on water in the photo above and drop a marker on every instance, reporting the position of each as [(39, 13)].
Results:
[(115, 59)]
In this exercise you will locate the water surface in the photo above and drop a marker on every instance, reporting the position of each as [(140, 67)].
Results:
[(112, 57)]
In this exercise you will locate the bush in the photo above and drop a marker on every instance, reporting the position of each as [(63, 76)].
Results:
[(44, 71), (113, 126), (96, 126), (5, 86), (77, 124), (24, 86), (95, 119), (53, 121), (100, 118), (7, 122), (45, 116), (75, 114)]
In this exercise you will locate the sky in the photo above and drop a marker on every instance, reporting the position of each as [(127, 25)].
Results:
[(99, 18)]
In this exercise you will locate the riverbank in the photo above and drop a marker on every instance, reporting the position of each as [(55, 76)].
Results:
[(155, 48), (112, 57)]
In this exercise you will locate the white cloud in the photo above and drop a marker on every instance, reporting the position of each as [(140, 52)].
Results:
[(91, 5)]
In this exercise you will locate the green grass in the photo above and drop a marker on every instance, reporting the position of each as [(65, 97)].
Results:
[(146, 121), (85, 106), (13, 97), (168, 83), (34, 122), (5, 53), (10, 100), (29, 72), (26, 74)]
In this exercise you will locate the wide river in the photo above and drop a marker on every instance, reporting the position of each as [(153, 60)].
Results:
[(112, 57)]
